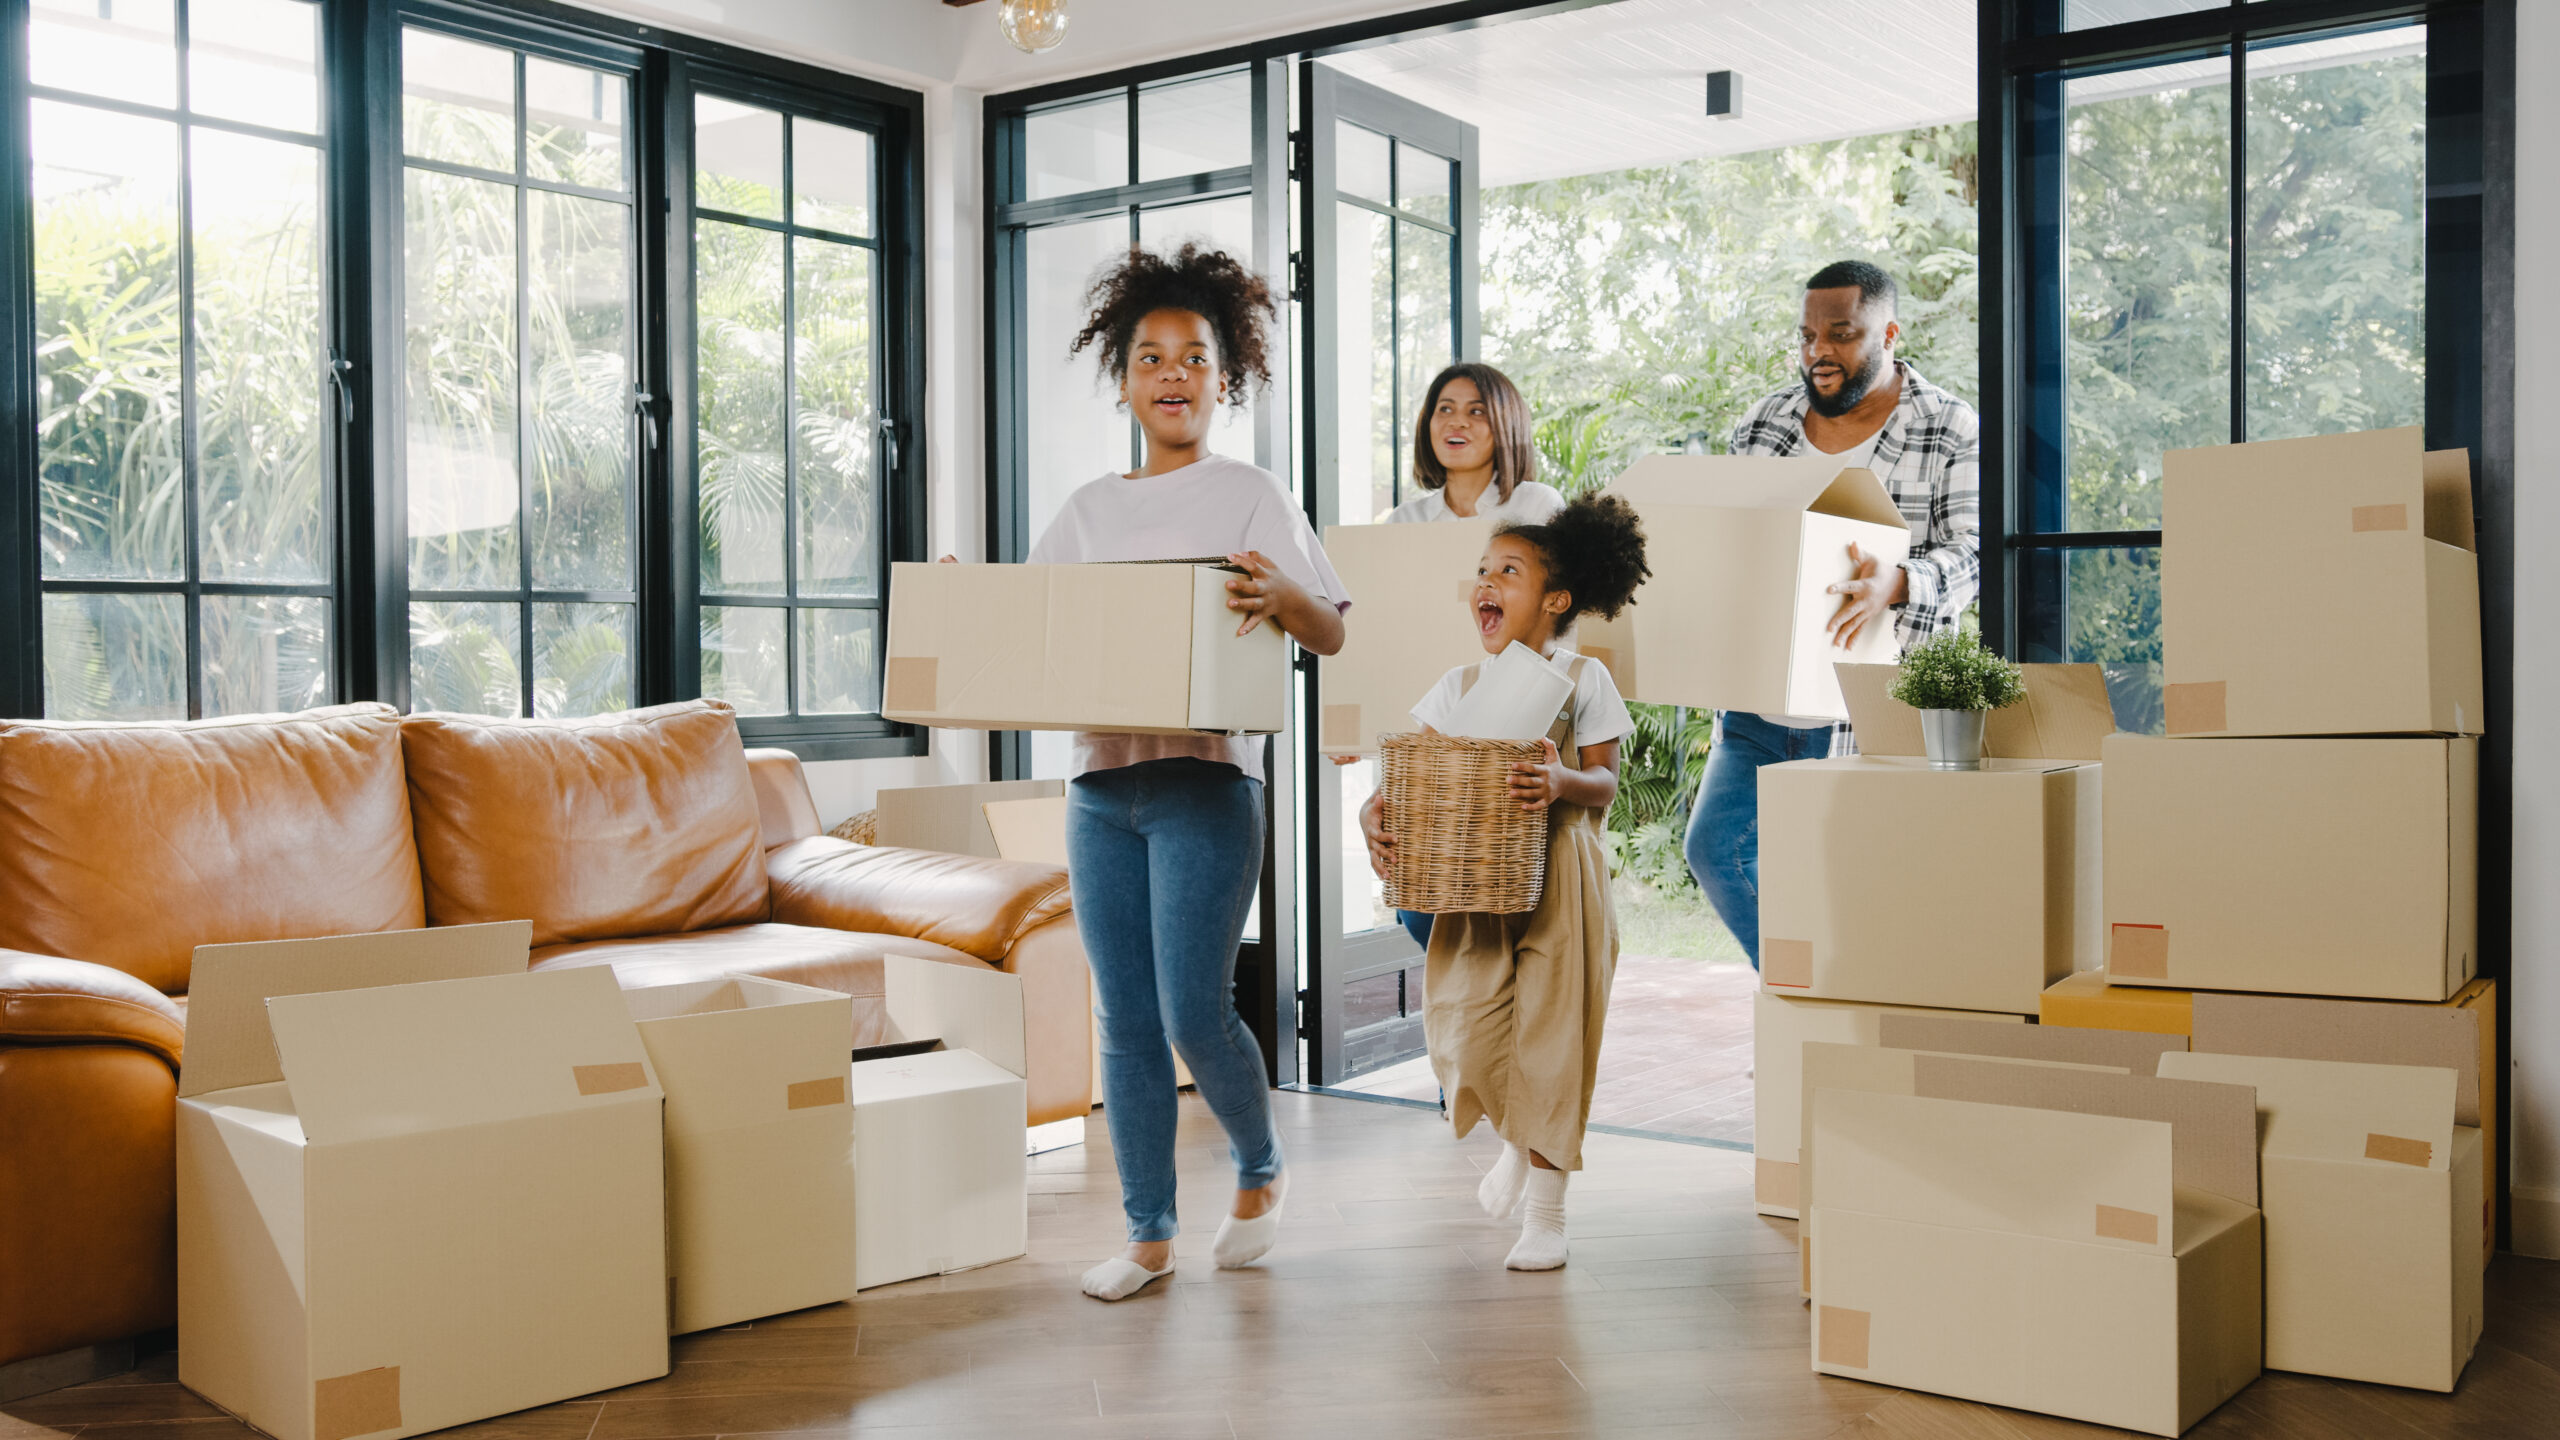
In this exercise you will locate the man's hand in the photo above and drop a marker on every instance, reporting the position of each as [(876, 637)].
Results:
[(1534, 783), (1867, 599)]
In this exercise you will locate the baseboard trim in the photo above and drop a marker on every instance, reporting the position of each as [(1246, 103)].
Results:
[(38, 1374), (2534, 1221)]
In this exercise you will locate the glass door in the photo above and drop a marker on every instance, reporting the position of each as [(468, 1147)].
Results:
[(1387, 206)]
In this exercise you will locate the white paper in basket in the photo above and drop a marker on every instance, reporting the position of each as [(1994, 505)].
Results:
[(1516, 697)]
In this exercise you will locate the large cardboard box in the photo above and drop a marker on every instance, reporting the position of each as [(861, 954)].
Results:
[(2044, 1259), (2387, 528), (2299, 867), (1743, 548), (939, 1175), (1145, 648), (421, 1204), (1781, 1025), (2373, 1213), (759, 1145), (953, 818), (1414, 625), (1841, 922)]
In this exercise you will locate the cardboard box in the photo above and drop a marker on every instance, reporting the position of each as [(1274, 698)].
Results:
[(413, 1206), (2387, 528), (953, 818), (2299, 867), (759, 1146), (1415, 625), (2084, 1000), (1780, 1027), (2373, 1214), (1837, 923), (2042, 1259), (939, 1175), (1743, 547), (1144, 648)]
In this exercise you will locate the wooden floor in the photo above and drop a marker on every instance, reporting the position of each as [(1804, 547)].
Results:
[(1385, 1313), (1677, 1059)]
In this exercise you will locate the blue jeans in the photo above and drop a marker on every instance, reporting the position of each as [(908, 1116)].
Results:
[(1163, 858), (1417, 925), (1723, 845)]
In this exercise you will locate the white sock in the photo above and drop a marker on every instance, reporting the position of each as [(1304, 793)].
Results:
[(1120, 1277), (1542, 1243), (1500, 1192), (1241, 1242)]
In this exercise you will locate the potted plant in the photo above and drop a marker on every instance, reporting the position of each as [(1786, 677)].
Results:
[(1955, 684)]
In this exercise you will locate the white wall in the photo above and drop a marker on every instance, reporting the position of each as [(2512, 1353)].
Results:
[(2534, 983)]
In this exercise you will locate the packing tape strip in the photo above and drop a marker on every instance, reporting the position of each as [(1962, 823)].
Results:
[(2139, 1226), (914, 682), (609, 1079), (1787, 963), (2138, 952), (1845, 1336), (2379, 517), (1773, 1182), (359, 1403), (810, 1094), (1341, 727), (2199, 707), (2399, 1150)]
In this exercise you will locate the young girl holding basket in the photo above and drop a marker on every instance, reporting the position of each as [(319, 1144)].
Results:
[(1513, 1004)]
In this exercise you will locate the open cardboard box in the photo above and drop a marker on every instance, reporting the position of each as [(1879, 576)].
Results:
[(2099, 1260), (2385, 525), (1415, 625), (759, 1146), (2301, 867), (1737, 622), (417, 1185), (2373, 1216), (1780, 1027), (1143, 648), (939, 1173), (2025, 830), (953, 818)]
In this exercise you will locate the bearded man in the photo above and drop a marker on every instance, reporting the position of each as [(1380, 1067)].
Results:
[(1859, 405)]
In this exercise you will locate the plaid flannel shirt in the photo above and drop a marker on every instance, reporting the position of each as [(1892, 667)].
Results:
[(1929, 457)]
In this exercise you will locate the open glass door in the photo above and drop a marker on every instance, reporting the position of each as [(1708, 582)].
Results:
[(1387, 207)]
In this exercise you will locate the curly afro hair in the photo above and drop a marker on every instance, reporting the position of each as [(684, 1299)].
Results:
[(1209, 283), (1594, 550)]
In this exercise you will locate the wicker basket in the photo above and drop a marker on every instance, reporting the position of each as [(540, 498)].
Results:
[(1463, 845)]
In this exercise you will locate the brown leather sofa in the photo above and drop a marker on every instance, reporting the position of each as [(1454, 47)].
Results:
[(649, 841)]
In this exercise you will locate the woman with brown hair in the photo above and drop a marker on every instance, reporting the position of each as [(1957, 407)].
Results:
[(1474, 453)]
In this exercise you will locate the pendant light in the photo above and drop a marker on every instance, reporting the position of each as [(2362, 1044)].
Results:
[(1033, 25)]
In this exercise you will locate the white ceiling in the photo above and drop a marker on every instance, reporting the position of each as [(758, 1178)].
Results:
[(1624, 85)]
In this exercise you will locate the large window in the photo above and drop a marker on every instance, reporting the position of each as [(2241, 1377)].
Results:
[(356, 360)]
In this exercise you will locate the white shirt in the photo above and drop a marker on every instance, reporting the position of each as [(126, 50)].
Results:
[(1856, 457), (1532, 502), (1214, 506), (1599, 714)]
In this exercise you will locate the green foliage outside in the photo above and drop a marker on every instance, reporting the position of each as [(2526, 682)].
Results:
[(1952, 670)]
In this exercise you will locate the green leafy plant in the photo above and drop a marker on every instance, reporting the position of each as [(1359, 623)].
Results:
[(1952, 671)]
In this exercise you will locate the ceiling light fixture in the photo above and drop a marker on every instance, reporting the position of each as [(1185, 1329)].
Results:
[(1033, 25)]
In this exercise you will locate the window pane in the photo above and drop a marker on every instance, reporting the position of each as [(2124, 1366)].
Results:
[(1195, 125), (1423, 182), (458, 100), (1076, 148), (2102, 607), (111, 433), (254, 60), (742, 658), (830, 177), (128, 51), (1425, 344), (834, 429), (1364, 895), (1373, 1001), (738, 282), (839, 662), (1371, 427), (1360, 165), (2337, 235), (115, 657), (573, 124), (580, 312), (2147, 303), (264, 653), (1221, 225), (461, 382), (737, 158), (1073, 412), (581, 659), (462, 656), (2091, 14), (260, 386)]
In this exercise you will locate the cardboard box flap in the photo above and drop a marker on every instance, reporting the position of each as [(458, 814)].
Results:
[(1817, 483), (2088, 1179), (2339, 1110), (2213, 1128), (2130, 1050), (2448, 484), (2376, 1032), (966, 1007), (1034, 830), (228, 1042), (409, 1059), (2066, 715)]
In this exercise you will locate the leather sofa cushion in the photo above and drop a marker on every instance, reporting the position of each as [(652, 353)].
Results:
[(966, 902), (641, 823), (131, 844), (846, 962)]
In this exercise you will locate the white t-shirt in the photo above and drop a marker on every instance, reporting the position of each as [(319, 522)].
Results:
[(1212, 506), (1532, 502), (1599, 715), (1856, 457)]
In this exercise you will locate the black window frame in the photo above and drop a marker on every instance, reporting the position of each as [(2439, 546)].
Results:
[(362, 167)]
